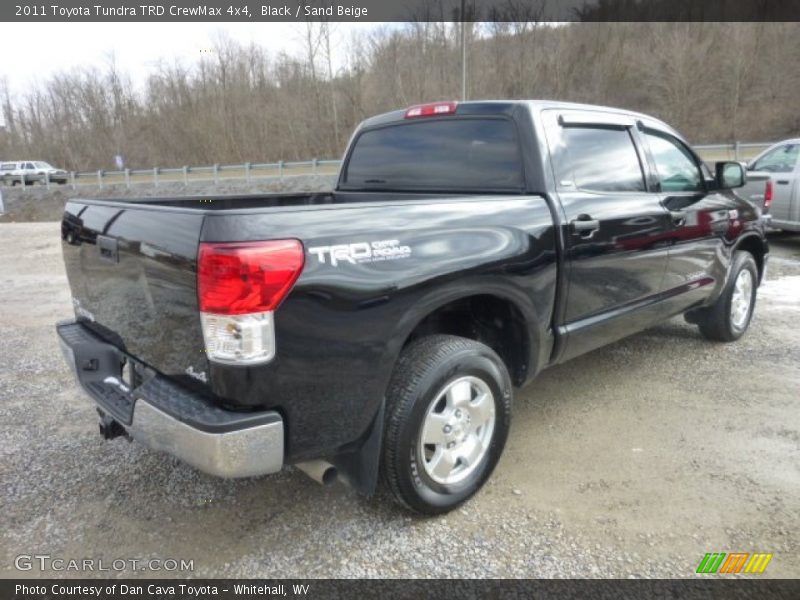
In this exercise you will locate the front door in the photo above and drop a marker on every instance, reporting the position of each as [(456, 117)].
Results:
[(701, 219), (616, 232)]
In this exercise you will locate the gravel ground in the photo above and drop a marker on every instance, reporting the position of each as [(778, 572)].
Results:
[(634, 460)]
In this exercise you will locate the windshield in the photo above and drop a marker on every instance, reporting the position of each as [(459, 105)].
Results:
[(448, 154), (780, 160), (43, 165)]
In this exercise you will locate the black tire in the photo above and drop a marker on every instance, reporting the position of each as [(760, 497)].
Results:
[(426, 368), (716, 322)]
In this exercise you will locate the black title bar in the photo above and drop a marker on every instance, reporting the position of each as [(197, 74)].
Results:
[(399, 10), (710, 587)]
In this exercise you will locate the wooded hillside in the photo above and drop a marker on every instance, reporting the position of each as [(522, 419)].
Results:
[(716, 82)]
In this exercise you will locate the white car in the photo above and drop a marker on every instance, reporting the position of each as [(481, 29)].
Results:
[(31, 171)]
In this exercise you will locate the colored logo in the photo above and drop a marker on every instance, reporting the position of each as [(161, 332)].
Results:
[(735, 562)]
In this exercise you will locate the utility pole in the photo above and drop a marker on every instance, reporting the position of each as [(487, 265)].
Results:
[(463, 52)]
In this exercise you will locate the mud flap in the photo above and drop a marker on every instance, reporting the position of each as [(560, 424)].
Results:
[(359, 468)]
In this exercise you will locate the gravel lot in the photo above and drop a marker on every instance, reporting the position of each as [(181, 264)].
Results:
[(634, 460)]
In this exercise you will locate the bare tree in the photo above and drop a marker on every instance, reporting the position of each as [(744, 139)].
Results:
[(714, 81)]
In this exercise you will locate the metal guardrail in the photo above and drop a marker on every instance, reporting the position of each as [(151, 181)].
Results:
[(735, 151), (279, 170), (188, 175)]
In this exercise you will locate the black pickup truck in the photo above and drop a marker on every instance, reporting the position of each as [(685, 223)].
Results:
[(381, 328)]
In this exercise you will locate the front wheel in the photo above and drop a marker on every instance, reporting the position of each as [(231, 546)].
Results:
[(729, 317), (448, 417)]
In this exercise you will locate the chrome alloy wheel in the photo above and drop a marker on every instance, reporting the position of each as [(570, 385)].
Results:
[(457, 430), (742, 298)]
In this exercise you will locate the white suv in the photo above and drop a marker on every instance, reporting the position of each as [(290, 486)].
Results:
[(31, 171)]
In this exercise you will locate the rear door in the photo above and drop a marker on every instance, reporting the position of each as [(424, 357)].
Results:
[(781, 163), (616, 231), (29, 172)]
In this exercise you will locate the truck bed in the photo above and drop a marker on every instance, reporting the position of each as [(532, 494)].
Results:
[(251, 202), (132, 267)]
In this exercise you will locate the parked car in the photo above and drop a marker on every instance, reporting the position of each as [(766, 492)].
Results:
[(6, 169), (30, 172), (778, 167), (383, 327)]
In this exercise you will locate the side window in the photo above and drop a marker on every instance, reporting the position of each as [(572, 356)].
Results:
[(677, 169), (29, 166), (780, 160), (601, 159)]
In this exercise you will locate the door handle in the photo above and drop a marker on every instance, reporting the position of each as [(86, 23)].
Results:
[(678, 217), (782, 182), (584, 225)]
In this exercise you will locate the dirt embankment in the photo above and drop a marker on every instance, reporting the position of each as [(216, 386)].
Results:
[(37, 203)]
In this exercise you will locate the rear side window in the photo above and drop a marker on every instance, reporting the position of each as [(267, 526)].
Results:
[(780, 160), (8, 166), (450, 154), (601, 159)]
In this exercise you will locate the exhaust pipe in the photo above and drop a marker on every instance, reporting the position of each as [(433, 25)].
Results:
[(320, 471)]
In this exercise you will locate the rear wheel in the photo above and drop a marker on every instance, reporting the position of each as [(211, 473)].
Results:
[(728, 319), (448, 416)]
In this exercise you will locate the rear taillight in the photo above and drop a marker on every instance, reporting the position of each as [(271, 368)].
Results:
[(432, 110), (768, 195), (239, 285)]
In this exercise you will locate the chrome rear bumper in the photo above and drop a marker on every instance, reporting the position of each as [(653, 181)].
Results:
[(166, 417)]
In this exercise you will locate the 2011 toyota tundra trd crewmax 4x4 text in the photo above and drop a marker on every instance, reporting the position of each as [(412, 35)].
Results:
[(380, 329)]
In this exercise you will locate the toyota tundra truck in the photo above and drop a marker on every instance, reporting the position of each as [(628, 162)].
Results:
[(378, 332)]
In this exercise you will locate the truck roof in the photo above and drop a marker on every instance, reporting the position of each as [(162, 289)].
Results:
[(506, 106)]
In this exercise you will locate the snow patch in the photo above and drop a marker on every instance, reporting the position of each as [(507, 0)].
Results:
[(783, 293)]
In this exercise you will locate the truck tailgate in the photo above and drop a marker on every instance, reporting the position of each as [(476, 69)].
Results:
[(132, 272), (753, 190)]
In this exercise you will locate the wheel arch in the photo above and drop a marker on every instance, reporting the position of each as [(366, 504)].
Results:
[(360, 465), (757, 247), (489, 318), (495, 313)]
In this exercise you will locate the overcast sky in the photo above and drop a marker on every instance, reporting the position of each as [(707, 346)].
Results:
[(33, 51)]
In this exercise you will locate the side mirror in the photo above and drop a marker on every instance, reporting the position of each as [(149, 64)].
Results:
[(730, 175)]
